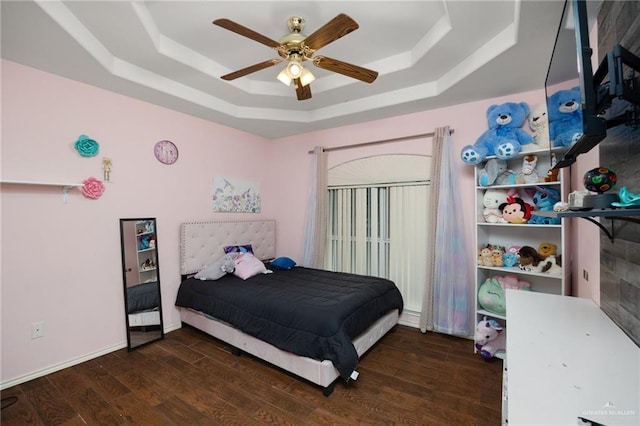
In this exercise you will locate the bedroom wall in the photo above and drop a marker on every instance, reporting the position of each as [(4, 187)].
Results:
[(620, 150), (468, 121), (61, 262)]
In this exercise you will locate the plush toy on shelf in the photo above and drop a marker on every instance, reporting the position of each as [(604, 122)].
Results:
[(529, 258), (490, 337), (528, 174), (491, 201), (544, 198), (532, 261), (539, 125), (484, 256), (565, 117), (495, 172), (510, 257), (491, 296), (504, 138), (516, 210), (511, 281), (491, 293), (497, 253), (547, 249)]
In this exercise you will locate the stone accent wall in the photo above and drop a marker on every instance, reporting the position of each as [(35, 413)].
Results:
[(618, 23)]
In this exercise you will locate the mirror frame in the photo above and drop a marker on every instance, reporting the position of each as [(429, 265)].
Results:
[(125, 242)]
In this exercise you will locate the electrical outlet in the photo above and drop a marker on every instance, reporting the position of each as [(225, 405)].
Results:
[(585, 275), (37, 329)]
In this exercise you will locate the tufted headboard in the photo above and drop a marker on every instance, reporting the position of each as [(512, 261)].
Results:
[(201, 243)]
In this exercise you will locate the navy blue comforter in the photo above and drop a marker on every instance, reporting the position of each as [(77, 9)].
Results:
[(309, 312)]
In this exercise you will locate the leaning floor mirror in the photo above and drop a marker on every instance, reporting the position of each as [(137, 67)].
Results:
[(141, 276)]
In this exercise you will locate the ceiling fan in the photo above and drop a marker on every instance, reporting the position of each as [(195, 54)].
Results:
[(295, 48)]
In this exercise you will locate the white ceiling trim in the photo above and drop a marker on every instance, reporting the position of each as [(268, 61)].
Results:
[(70, 23), (168, 47)]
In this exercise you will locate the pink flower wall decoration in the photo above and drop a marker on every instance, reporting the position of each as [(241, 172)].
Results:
[(92, 188)]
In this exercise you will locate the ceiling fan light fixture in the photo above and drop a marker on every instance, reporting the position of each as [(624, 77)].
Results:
[(284, 77), (306, 77), (294, 69)]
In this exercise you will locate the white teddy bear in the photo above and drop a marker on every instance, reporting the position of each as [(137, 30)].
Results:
[(539, 125)]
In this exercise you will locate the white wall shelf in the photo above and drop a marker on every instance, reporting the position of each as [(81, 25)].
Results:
[(66, 187)]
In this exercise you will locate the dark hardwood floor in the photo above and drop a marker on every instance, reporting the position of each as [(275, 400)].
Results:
[(190, 378)]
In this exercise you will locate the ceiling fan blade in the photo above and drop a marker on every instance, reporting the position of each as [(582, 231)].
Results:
[(244, 31), (344, 68), (303, 92), (251, 69), (339, 26)]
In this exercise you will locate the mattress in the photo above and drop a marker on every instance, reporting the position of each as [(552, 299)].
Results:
[(308, 312)]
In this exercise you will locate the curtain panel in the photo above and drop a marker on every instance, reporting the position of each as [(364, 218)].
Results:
[(315, 243), (446, 306)]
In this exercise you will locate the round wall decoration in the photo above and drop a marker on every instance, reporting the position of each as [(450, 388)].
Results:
[(166, 152)]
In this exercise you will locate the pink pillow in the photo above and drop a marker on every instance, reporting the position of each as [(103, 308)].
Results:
[(247, 265)]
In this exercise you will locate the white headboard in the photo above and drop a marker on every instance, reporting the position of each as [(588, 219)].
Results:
[(202, 243)]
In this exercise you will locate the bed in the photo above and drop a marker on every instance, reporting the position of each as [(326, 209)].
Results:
[(319, 327), (143, 303)]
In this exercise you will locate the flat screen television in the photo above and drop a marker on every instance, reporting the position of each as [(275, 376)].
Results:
[(597, 90), (570, 66)]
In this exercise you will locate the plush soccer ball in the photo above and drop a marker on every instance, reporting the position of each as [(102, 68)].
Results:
[(600, 179)]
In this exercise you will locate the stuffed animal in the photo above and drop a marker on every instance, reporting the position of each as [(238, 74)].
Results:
[(219, 268), (491, 200), (532, 261), (491, 293), (529, 257), (552, 265), (143, 242), (497, 253), (511, 281), (484, 256), (565, 117), (490, 337), (528, 174), (495, 172), (491, 296), (504, 138), (547, 249), (516, 210), (539, 125), (510, 259), (544, 198)]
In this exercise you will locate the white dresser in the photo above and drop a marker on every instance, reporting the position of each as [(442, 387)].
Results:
[(566, 359)]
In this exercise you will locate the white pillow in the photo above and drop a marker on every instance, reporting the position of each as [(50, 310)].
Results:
[(247, 265)]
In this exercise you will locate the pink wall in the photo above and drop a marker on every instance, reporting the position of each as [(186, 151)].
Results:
[(61, 262)]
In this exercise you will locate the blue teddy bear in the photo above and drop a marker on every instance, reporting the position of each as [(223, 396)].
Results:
[(505, 138), (565, 117)]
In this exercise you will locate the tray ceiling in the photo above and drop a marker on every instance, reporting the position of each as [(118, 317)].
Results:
[(429, 54)]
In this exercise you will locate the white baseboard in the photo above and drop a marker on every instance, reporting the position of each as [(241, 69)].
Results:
[(410, 319), (75, 361), (61, 366)]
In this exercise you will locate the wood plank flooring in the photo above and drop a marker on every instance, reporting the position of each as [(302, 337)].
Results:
[(189, 378)]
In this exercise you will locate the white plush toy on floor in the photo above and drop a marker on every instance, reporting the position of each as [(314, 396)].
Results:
[(490, 338)]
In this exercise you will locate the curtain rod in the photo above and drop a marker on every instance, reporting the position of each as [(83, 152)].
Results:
[(359, 145)]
